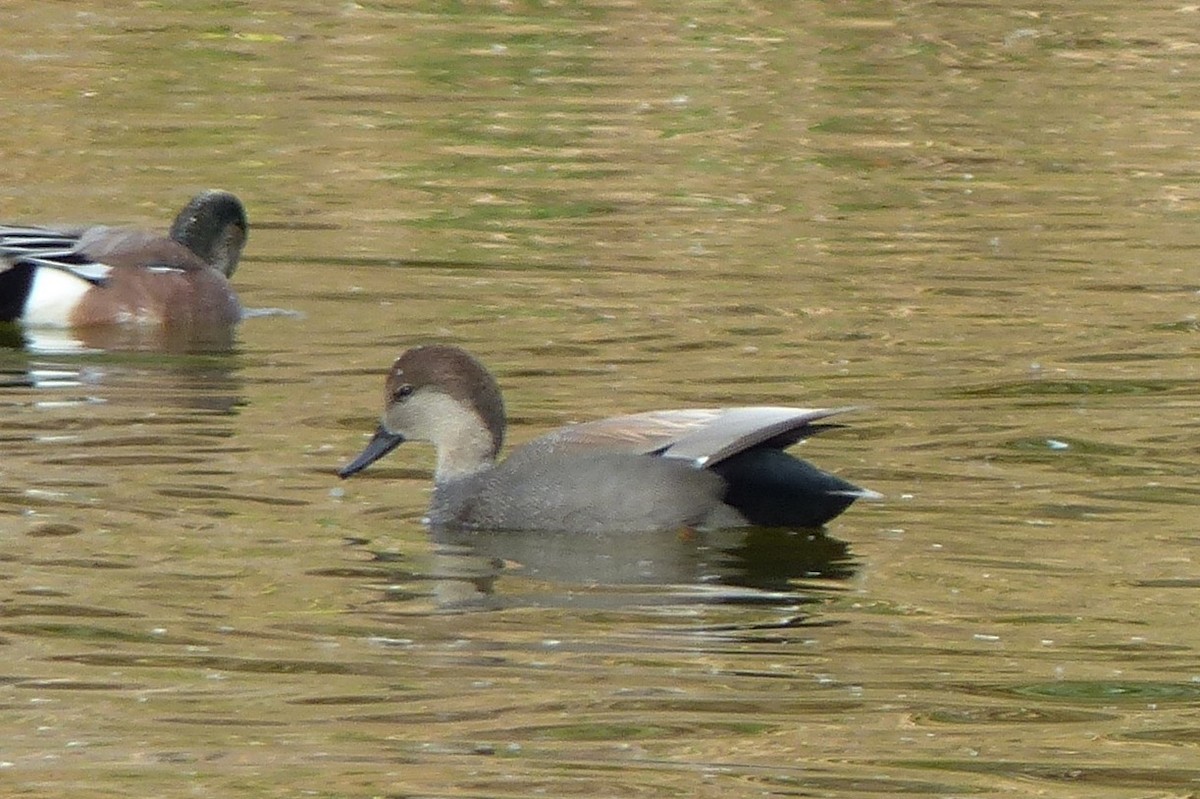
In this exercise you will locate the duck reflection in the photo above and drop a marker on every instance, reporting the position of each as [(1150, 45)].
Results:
[(764, 558), (735, 566), (144, 408), (215, 339), (116, 367)]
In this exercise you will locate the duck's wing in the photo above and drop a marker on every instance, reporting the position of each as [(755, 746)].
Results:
[(55, 249), (702, 435), (36, 240), (738, 429), (127, 247), (637, 433)]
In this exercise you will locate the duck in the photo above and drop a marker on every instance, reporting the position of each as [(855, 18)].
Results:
[(99, 275), (661, 470)]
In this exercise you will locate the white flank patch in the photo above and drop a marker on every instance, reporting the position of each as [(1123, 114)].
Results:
[(53, 297)]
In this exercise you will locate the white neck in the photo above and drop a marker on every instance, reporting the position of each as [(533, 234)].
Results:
[(464, 443)]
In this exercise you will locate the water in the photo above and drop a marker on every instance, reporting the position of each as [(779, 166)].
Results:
[(978, 226)]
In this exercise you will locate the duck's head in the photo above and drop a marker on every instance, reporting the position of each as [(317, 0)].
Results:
[(213, 226), (443, 395)]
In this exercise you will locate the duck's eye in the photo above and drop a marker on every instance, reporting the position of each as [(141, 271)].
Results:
[(402, 392)]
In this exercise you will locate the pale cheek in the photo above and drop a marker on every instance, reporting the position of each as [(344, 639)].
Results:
[(394, 422)]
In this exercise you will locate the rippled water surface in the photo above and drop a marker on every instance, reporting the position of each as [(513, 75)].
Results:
[(978, 224)]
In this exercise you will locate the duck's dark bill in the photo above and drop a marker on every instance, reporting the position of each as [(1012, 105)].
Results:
[(380, 444)]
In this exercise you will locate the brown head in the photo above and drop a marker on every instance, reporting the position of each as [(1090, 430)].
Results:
[(440, 394)]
